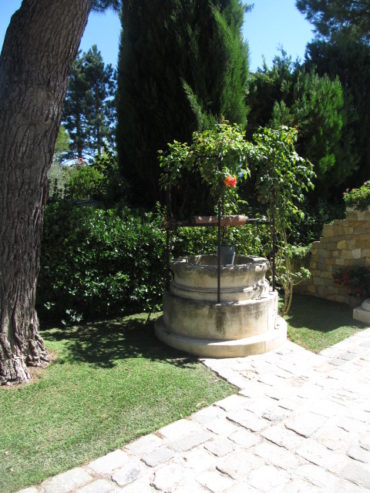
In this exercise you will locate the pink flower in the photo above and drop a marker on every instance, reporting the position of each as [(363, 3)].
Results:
[(230, 181)]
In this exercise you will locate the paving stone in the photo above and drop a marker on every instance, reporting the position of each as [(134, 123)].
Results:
[(259, 405), (347, 355), (283, 437), (357, 473), (318, 454), (99, 486), (144, 445), (305, 424), (67, 481), (219, 446), (359, 415), (247, 420), (358, 453), (310, 391), (350, 425), (318, 477), (336, 362), (109, 462), (254, 390), (233, 402), (238, 464), (334, 438), (268, 478), (129, 473), (241, 487), (157, 456), (214, 481), (244, 438), (301, 486), (222, 426), (190, 441), (139, 486), (271, 380), (276, 455), (190, 486), (235, 379), (208, 414), (365, 442), (198, 460), (327, 408), (344, 486), (169, 477), (291, 403), (178, 429), (275, 414), (303, 388)]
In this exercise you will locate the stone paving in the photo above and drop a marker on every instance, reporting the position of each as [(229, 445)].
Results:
[(299, 423)]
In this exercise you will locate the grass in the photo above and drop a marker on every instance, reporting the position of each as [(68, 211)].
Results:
[(317, 324), (110, 383)]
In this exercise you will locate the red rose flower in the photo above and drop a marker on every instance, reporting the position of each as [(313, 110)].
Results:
[(230, 181)]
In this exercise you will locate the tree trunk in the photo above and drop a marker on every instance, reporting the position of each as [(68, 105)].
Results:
[(40, 45)]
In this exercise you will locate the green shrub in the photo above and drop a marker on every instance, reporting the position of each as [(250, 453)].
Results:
[(97, 263), (99, 181), (359, 198), (86, 183), (251, 239)]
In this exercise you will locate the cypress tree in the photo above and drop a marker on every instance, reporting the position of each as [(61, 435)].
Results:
[(182, 65)]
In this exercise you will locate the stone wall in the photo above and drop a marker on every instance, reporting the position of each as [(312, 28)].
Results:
[(344, 243)]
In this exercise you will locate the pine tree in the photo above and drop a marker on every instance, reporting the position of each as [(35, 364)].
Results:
[(40, 44), (316, 110), (287, 94), (342, 49), (332, 16), (89, 109), (182, 65)]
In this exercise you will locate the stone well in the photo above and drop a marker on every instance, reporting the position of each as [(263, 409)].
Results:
[(244, 322)]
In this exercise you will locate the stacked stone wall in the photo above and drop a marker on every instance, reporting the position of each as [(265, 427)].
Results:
[(344, 243)]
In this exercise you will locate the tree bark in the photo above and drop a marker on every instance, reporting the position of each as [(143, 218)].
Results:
[(40, 45)]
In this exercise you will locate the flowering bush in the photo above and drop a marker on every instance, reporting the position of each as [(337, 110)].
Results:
[(356, 280), (359, 198), (217, 154)]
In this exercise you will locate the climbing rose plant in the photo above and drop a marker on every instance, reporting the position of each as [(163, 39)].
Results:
[(219, 154), (356, 280), (282, 179)]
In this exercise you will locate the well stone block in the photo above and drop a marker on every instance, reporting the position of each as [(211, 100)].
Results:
[(243, 322)]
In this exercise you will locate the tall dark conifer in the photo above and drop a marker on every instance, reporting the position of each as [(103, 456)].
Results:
[(182, 65)]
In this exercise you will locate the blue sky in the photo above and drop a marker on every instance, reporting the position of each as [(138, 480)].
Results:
[(271, 25)]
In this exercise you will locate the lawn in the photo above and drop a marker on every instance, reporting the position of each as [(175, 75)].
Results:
[(110, 383), (317, 324)]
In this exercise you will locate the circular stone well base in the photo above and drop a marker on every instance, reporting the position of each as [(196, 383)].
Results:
[(209, 348)]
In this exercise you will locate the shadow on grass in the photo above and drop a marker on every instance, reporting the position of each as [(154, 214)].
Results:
[(104, 343), (320, 315)]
